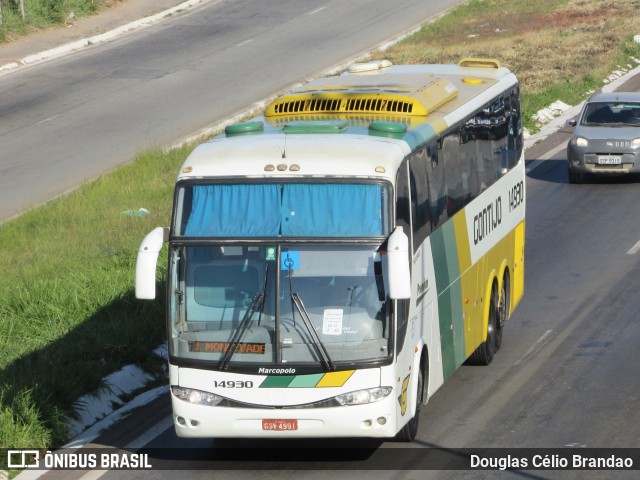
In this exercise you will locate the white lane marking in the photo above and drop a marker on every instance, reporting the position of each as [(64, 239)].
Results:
[(536, 163), (136, 444), (535, 348), (635, 249), (152, 433), (47, 120), (313, 12), (245, 42)]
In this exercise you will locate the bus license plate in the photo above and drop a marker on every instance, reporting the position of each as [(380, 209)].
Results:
[(609, 160), (279, 425)]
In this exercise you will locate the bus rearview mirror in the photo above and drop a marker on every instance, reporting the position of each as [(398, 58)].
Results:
[(396, 265), (147, 261)]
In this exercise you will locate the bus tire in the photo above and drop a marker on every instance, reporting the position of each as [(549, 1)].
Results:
[(503, 309), (409, 432), (484, 353)]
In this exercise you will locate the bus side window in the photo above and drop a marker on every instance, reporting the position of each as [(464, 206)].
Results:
[(402, 322), (450, 157), (499, 113), (420, 208), (468, 169), (487, 171), (517, 122), (403, 202), (437, 187), (514, 133)]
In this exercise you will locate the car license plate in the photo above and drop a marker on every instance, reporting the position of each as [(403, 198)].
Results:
[(279, 425), (609, 160)]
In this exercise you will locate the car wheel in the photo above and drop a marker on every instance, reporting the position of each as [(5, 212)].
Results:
[(574, 176)]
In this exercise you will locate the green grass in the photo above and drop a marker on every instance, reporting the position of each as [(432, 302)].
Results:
[(42, 14), (572, 90), (68, 316)]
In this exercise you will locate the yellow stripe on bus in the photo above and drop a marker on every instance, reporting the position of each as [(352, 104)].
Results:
[(335, 379)]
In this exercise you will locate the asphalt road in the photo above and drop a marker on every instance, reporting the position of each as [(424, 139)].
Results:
[(74, 118)]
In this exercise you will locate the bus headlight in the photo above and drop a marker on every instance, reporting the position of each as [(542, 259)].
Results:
[(196, 396), (361, 397)]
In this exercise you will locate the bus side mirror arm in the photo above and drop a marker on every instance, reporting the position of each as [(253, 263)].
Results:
[(147, 261), (395, 265)]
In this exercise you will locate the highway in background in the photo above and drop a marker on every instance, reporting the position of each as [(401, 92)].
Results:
[(565, 377), (74, 118)]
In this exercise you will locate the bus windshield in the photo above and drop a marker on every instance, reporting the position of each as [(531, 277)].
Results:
[(278, 304), (271, 210)]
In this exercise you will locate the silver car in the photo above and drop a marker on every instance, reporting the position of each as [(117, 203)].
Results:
[(606, 139)]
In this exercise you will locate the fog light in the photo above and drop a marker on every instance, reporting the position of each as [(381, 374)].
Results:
[(367, 423), (382, 420), (181, 420), (194, 423)]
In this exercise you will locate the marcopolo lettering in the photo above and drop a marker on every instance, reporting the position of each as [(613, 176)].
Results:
[(487, 220), (276, 371)]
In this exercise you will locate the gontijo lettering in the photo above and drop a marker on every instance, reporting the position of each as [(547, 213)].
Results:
[(487, 220)]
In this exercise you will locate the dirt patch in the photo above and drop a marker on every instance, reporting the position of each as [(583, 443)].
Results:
[(542, 42)]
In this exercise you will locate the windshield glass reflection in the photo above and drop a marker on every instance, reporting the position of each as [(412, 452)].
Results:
[(277, 305)]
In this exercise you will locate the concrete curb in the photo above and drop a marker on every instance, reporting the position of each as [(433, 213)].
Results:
[(100, 38)]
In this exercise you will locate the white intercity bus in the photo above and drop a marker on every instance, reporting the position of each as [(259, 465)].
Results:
[(333, 261)]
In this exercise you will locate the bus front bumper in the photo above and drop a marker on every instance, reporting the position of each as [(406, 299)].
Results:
[(375, 420)]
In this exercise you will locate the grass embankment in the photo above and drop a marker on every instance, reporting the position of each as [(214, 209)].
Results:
[(67, 312), (40, 14)]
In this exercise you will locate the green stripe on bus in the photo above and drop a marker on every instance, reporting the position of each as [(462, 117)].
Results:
[(308, 381), (446, 334), (277, 381), (447, 272), (453, 262), (439, 254), (314, 380)]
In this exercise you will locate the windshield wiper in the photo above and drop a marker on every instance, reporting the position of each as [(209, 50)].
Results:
[(322, 350), (257, 303)]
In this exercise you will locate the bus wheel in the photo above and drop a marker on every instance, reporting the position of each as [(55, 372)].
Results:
[(410, 431), (484, 353), (502, 310)]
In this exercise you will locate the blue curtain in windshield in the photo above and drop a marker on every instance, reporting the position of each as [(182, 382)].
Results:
[(300, 210), (234, 211), (333, 210)]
